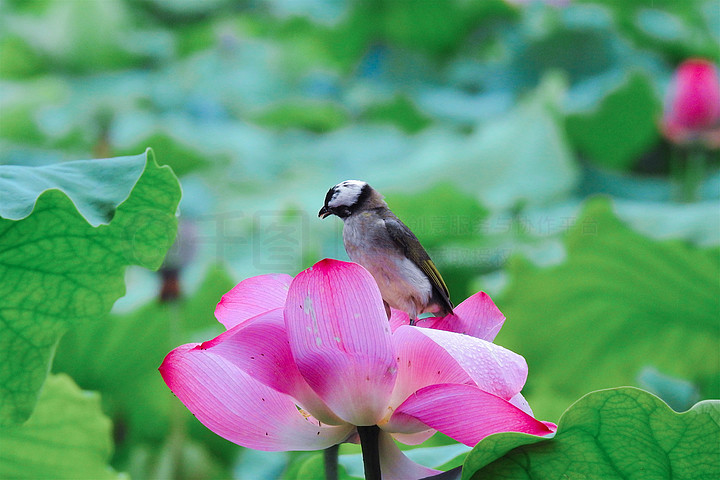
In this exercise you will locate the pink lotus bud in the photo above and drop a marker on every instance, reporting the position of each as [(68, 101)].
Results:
[(692, 106)]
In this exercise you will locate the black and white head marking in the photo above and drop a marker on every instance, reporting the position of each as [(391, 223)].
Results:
[(343, 198), (345, 194)]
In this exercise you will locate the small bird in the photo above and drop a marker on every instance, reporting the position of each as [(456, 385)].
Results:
[(376, 239)]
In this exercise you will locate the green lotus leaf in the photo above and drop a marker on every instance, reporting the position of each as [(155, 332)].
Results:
[(610, 434), (620, 303), (621, 127), (67, 437), (67, 233)]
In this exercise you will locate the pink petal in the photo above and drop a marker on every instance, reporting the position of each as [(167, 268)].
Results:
[(405, 427), (477, 316), (493, 368), (252, 297), (394, 465), (397, 319), (693, 101), (466, 413), (520, 402), (260, 347), (240, 409), (414, 438), (421, 362), (340, 339), (427, 357)]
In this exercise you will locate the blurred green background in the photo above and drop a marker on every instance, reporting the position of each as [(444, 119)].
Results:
[(520, 141)]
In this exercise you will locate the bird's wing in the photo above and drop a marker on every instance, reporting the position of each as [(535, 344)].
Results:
[(408, 242)]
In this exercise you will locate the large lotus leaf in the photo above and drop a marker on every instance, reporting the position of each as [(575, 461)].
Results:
[(67, 233), (619, 303), (67, 437), (621, 127), (611, 434), (697, 223)]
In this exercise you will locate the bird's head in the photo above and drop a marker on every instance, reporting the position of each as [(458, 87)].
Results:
[(348, 197)]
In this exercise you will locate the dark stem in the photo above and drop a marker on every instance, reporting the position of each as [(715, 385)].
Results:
[(331, 462), (369, 437), (694, 174), (688, 173)]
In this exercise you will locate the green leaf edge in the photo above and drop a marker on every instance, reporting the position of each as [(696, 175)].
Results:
[(149, 157), (513, 440)]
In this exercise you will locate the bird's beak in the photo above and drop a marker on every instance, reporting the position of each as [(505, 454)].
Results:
[(324, 212)]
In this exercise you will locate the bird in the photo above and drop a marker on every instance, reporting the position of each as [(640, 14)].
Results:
[(377, 239)]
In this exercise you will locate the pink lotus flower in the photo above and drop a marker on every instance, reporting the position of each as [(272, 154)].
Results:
[(306, 360), (692, 106)]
